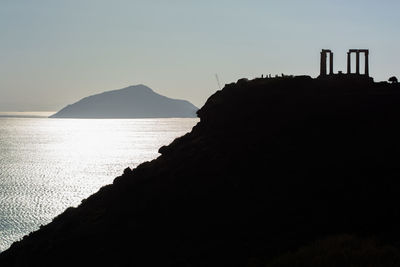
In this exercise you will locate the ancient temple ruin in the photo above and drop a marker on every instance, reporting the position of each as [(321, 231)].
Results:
[(324, 54), (357, 52)]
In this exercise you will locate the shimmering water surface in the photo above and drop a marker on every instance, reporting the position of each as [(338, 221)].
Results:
[(47, 165)]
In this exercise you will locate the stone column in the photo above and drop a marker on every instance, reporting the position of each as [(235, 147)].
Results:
[(348, 62), (366, 63), (323, 63), (357, 62), (331, 63)]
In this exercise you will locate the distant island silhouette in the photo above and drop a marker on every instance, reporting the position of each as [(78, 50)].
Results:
[(285, 171), (132, 102)]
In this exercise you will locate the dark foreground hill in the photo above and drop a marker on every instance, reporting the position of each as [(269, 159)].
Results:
[(272, 166), (132, 102)]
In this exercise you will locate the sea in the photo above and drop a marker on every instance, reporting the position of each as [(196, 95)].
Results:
[(48, 165)]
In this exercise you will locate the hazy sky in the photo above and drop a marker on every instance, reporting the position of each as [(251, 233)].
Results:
[(54, 52)]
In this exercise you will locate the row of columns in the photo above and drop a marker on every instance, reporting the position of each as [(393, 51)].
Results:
[(358, 51), (325, 52)]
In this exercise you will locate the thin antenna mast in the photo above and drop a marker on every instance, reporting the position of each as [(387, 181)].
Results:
[(219, 84)]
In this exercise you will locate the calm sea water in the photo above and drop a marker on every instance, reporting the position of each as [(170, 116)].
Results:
[(47, 165)]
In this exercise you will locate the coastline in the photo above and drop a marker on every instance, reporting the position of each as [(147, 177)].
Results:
[(26, 114), (273, 165)]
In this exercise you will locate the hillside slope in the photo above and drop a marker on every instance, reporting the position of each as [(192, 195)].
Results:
[(273, 165)]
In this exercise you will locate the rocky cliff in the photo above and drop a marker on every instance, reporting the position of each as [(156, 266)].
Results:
[(273, 165)]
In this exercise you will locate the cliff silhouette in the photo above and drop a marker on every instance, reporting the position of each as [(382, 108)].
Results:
[(138, 101), (274, 165)]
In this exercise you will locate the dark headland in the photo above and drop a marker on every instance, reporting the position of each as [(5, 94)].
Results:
[(137, 101), (288, 171)]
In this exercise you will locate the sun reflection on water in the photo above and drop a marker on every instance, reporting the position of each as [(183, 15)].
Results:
[(47, 165)]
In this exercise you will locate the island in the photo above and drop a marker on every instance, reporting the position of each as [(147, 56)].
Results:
[(137, 101)]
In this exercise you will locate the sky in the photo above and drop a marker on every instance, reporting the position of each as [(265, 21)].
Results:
[(55, 52)]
